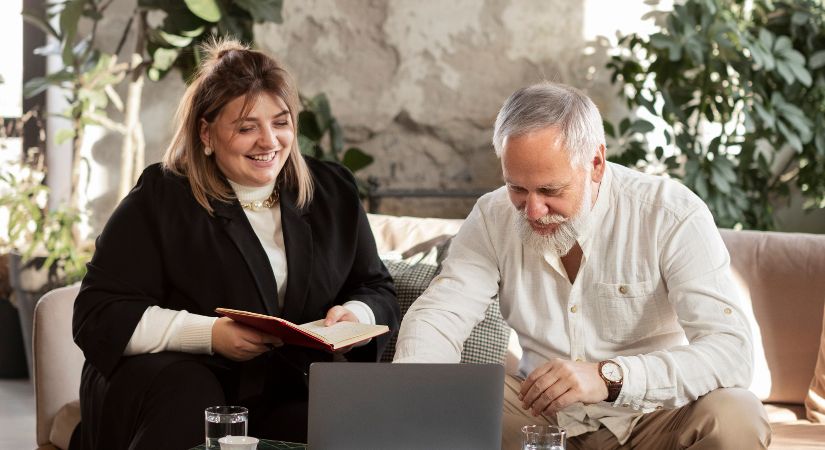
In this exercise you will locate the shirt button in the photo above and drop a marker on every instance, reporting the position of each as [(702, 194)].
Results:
[(578, 360), (573, 309), (623, 289), (728, 311), (659, 407), (626, 405)]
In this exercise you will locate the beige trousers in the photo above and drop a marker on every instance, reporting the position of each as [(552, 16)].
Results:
[(729, 418)]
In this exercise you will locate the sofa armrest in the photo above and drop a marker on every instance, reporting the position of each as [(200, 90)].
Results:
[(57, 360)]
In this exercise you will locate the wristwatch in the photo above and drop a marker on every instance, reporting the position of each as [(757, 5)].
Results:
[(613, 377)]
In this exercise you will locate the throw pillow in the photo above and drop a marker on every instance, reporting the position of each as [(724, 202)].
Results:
[(412, 275)]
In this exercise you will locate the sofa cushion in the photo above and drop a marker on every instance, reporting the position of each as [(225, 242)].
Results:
[(782, 273), (487, 342), (797, 436)]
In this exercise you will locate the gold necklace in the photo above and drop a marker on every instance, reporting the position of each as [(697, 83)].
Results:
[(257, 205)]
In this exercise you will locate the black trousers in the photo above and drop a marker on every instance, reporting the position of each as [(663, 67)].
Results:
[(157, 401)]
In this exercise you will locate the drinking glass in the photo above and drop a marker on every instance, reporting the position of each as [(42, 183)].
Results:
[(543, 437), (225, 421)]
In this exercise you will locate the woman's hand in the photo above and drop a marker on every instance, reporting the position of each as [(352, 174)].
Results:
[(240, 342), (340, 314)]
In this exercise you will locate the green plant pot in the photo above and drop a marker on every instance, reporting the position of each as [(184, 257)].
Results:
[(29, 282), (12, 353)]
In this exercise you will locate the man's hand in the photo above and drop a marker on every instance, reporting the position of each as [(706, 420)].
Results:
[(560, 383), (240, 342)]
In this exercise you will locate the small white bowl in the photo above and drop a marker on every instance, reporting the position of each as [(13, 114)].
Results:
[(238, 443)]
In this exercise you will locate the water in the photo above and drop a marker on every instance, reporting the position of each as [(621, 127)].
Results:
[(228, 422), (542, 447)]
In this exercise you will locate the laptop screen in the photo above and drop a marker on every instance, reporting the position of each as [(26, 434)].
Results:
[(405, 406)]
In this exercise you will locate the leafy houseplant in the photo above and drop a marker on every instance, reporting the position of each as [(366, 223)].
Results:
[(41, 248), (89, 74), (740, 86), (315, 123)]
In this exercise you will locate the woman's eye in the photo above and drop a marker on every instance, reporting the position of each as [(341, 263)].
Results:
[(246, 129), (282, 123)]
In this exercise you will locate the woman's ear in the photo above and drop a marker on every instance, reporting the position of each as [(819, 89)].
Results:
[(204, 132)]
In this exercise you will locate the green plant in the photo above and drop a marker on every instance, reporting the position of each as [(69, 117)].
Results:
[(315, 123), (740, 86), (89, 74), (33, 230)]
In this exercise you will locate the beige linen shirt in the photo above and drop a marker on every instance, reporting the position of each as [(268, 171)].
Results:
[(654, 293)]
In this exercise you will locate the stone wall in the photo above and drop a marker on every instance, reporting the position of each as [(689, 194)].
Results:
[(416, 84)]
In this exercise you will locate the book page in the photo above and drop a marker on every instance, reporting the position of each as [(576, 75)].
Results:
[(338, 332)]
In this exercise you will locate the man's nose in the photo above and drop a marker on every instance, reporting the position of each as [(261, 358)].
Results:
[(535, 207)]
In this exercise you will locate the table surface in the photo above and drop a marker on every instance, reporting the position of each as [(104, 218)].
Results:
[(271, 445)]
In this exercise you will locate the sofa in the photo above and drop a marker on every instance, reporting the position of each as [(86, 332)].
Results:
[(782, 275)]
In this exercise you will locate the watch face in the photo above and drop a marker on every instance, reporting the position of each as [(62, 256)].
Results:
[(612, 372)]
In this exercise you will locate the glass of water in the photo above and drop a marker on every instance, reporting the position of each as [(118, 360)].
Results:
[(543, 437), (225, 421)]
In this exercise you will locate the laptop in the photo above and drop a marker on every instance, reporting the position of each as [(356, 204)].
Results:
[(363, 406)]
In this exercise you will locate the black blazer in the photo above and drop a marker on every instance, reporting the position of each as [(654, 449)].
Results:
[(160, 247)]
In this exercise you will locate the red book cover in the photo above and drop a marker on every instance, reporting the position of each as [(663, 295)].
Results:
[(312, 334)]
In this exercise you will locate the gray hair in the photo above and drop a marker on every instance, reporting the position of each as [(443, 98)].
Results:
[(549, 104)]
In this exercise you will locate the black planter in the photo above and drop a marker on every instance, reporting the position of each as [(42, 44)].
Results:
[(29, 282), (12, 354)]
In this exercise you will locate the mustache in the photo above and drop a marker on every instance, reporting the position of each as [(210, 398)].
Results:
[(549, 219)]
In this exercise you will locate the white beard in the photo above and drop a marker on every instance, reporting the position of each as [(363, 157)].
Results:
[(562, 240)]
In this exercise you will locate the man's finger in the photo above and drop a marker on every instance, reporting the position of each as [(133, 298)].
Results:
[(563, 401), (537, 388), (551, 394), (534, 376)]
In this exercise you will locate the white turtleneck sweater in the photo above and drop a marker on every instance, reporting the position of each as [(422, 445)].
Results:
[(162, 329)]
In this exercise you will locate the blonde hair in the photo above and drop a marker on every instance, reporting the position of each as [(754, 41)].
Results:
[(231, 70)]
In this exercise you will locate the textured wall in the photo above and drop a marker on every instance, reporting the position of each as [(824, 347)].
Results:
[(417, 83)]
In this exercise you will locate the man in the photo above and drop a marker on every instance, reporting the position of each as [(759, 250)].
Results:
[(617, 284)]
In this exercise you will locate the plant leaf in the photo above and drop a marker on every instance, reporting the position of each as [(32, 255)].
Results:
[(816, 60), (608, 129), (355, 159), (69, 20), (175, 40), (207, 10), (308, 126), (63, 135)]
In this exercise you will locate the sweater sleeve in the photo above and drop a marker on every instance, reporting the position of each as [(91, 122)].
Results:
[(162, 329)]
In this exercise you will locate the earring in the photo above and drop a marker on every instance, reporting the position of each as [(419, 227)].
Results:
[(207, 151)]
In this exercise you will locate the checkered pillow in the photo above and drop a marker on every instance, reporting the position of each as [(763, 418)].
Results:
[(487, 342)]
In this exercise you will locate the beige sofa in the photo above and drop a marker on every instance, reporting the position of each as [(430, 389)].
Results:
[(782, 274)]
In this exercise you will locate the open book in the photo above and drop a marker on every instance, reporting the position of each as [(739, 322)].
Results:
[(312, 334)]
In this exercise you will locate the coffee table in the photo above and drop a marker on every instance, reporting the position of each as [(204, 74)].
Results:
[(270, 445)]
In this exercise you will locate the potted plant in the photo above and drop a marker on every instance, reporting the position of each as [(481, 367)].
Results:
[(740, 87), (42, 247)]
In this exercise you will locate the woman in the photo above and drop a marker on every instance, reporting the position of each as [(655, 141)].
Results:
[(234, 217)]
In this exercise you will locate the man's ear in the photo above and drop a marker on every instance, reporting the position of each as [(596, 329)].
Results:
[(204, 132), (599, 164)]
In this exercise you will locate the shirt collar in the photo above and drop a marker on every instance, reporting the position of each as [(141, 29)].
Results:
[(597, 214)]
